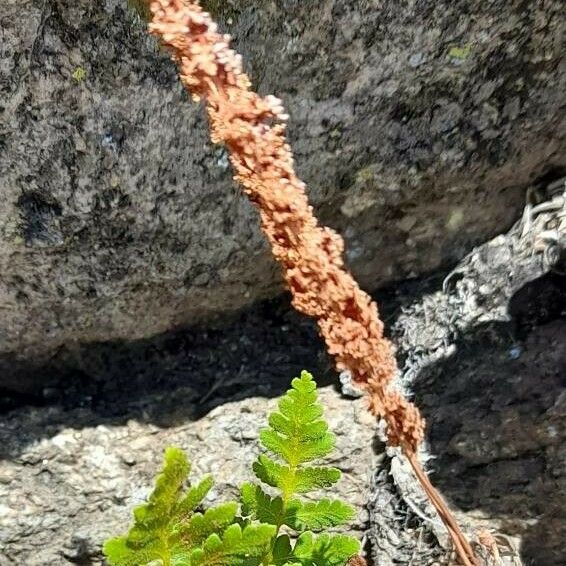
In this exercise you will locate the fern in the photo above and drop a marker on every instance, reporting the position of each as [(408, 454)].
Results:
[(166, 528), (170, 530), (237, 547), (324, 550), (298, 435)]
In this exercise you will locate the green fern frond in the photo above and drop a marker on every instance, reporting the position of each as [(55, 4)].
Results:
[(170, 529), (282, 552), (259, 505), (324, 550), (298, 515), (120, 552), (166, 529), (200, 527), (310, 479), (319, 515), (193, 498), (168, 484), (271, 473), (148, 540), (237, 547), (297, 433), (302, 480)]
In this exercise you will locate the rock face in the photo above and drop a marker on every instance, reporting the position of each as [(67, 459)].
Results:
[(483, 354), (483, 350), (416, 127), (64, 494)]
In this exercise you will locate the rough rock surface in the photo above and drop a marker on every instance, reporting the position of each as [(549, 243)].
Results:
[(416, 126), (63, 494), (484, 355), (483, 350)]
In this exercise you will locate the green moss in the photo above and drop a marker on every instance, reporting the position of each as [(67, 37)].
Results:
[(79, 74), (365, 175), (141, 7), (461, 53)]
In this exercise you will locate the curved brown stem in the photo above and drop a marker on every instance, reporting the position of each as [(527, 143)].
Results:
[(461, 545)]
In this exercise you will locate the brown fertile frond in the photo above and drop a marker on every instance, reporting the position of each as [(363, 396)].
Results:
[(357, 561), (252, 128)]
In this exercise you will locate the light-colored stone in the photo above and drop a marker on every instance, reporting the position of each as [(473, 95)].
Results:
[(85, 481)]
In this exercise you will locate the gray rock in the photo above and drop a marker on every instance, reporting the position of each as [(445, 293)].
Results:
[(484, 353), (119, 219), (496, 425), (86, 479)]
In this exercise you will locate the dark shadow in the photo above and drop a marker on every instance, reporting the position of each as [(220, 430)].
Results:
[(495, 407), (166, 379), (496, 412), (176, 376)]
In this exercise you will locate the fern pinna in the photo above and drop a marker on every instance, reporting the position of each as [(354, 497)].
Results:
[(275, 528)]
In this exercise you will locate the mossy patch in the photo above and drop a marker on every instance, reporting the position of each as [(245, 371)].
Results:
[(79, 74), (460, 52), (365, 175), (141, 7)]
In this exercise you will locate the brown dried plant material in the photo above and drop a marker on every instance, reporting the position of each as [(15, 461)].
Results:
[(487, 541), (357, 561), (252, 128)]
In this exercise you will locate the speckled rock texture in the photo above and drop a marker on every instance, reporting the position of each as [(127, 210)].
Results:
[(482, 351), (416, 126), (73, 486)]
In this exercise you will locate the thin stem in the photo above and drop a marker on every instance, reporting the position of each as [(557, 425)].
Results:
[(461, 545), (285, 495)]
